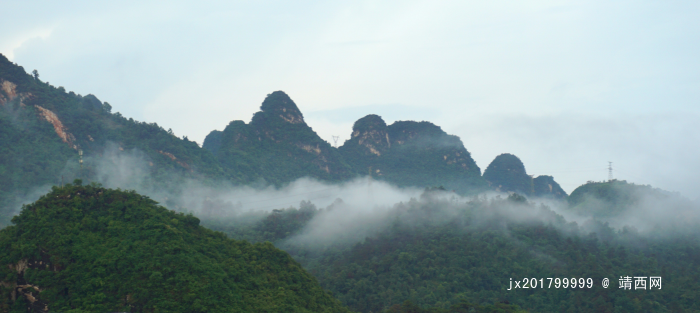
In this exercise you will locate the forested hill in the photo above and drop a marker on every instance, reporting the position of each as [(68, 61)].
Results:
[(408, 153), (276, 147), (43, 128), (92, 249), (442, 251), (620, 199)]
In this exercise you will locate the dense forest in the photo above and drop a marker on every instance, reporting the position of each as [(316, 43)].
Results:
[(92, 249), (442, 250)]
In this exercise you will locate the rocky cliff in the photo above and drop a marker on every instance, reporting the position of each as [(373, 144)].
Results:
[(277, 146), (408, 153)]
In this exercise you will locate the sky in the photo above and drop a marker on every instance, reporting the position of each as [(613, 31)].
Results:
[(567, 86)]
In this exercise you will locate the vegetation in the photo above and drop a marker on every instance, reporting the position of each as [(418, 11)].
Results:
[(507, 173), (277, 147), (88, 248), (409, 153), (438, 253), (91, 249), (463, 307), (612, 198), (38, 153)]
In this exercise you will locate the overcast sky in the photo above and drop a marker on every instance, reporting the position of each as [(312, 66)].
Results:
[(565, 85)]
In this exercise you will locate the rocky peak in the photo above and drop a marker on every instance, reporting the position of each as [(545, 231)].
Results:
[(507, 173), (371, 132), (280, 104)]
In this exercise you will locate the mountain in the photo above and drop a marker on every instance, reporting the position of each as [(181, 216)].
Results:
[(408, 153), (506, 173), (277, 147), (92, 249), (43, 129), (545, 186)]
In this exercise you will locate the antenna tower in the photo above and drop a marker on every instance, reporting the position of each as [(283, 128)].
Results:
[(335, 141), (610, 175)]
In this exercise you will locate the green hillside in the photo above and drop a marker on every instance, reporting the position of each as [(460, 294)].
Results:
[(408, 153), (42, 129), (92, 249), (613, 198)]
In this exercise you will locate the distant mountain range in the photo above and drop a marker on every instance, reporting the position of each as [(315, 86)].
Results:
[(44, 128)]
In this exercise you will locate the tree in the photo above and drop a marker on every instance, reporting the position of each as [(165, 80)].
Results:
[(35, 73)]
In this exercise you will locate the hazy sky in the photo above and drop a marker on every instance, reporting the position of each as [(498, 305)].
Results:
[(565, 85)]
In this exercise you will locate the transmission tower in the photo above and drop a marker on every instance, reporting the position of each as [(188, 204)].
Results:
[(610, 175), (335, 141)]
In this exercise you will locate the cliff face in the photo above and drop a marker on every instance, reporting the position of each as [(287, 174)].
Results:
[(410, 153), (370, 136), (277, 146)]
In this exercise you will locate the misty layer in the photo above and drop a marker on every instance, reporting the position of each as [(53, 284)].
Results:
[(438, 245)]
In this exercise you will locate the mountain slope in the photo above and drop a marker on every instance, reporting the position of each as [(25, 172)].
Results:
[(617, 198), (43, 128), (99, 250), (276, 146), (409, 153), (545, 186)]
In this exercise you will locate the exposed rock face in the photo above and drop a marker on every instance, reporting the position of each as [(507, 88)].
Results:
[(10, 91), (409, 153), (58, 126), (370, 132), (276, 146), (172, 157), (21, 288), (507, 173), (279, 104), (545, 186)]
